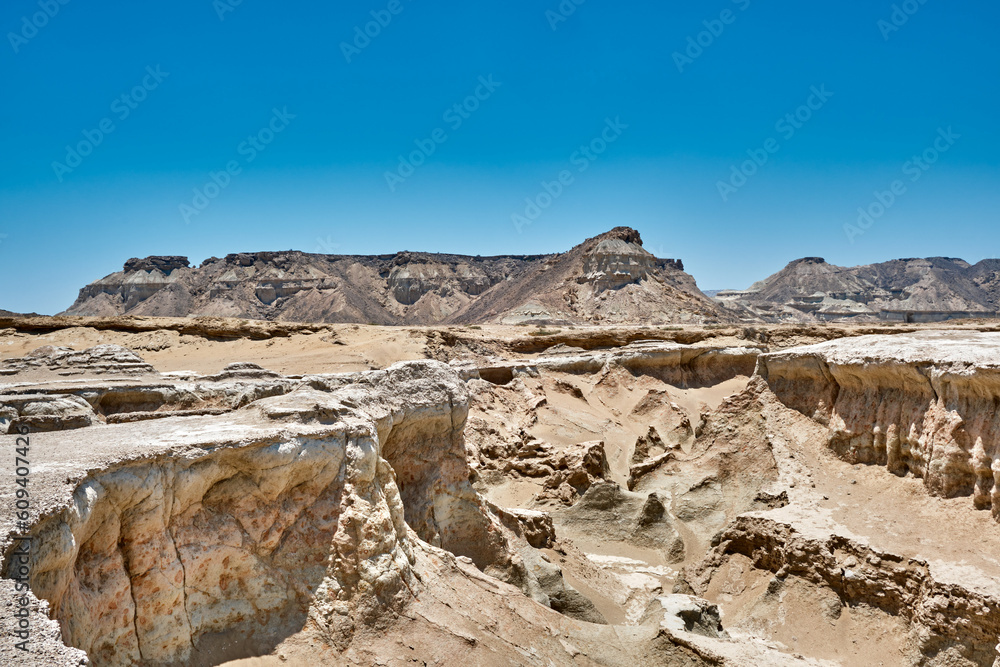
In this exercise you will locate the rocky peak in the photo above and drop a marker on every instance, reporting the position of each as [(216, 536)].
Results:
[(617, 258), (162, 263), (626, 234)]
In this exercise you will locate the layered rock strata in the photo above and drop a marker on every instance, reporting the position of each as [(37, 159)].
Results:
[(934, 289), (111, 384), (673, 363), (606, 278), (99, 360), (835, 545)]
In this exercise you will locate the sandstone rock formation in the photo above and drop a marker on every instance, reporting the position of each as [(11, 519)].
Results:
[(763, 500), (194, 538), (66, 361), (919, 404), (851, 546), (673, 363), (952, 624), (608, 278), (33, 413), (609, 512)]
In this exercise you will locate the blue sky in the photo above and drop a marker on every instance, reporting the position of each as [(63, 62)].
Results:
[(205, 81)]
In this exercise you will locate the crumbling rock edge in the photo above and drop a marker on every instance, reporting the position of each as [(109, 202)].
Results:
[(156, 542), (921, 404), (675, 363)]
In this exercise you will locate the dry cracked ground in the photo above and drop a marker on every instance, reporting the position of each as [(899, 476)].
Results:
[(207, 492)]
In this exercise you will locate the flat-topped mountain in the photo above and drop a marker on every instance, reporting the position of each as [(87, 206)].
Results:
[(930, 289), (610, 278)]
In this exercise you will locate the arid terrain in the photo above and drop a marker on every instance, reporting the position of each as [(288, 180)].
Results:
[(211, 491), (933, 289), (610, 278)]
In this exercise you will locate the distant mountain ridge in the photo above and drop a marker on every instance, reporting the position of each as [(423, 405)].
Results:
[(610, 278), (908, 290)]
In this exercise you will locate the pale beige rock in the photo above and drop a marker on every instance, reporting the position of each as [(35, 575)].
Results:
[(922, 404), (101, 359), (945, 619), (37, 413), (160, 540)]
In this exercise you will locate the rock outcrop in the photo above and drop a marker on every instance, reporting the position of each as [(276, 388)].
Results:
[(102, 359), (950, 624), (163, 264), (608, 511), (200, 538), (55, 389), (835, 543), (920, 404), (674, 363), (32, 413), (618, 261)]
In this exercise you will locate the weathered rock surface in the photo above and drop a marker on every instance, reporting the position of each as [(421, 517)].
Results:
[(199, 538), (111, 384), (102, 359), (686, 613), (227, 524), (920, 404), (535, 527), (335, 519), (33, 413), (880, 559), (674, 363), (615, 514), (619, 261), (950, 624), (163, 264)]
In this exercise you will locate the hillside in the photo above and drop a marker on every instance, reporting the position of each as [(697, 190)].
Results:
[(610, 278), (931, 289)]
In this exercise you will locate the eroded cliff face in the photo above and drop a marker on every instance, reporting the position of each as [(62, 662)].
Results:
[(156, 557), (616, 262), (680, 365), (922, 404), (419, 410), (189, 540), (841, 561), (413, 276)]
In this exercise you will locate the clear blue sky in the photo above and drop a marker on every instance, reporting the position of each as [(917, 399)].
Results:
[(320, 184)]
